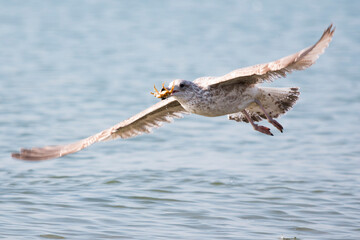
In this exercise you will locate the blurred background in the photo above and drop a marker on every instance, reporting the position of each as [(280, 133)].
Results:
[(69, 69)]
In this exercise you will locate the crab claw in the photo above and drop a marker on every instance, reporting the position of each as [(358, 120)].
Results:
[(156, 94)]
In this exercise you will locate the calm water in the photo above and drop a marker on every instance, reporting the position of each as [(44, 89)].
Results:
[(69, 69)]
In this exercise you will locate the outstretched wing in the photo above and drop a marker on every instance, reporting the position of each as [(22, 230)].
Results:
[(267, 72), (142, 122)]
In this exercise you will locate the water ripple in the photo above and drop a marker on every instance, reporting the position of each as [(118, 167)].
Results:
[(73, 68)]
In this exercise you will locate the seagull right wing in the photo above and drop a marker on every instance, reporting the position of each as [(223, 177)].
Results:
[(143, 122)]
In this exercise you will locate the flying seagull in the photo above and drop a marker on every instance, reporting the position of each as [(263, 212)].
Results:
[(235, 94)]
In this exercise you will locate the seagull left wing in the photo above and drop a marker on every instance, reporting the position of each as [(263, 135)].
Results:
[(267, 72), (143, 122)]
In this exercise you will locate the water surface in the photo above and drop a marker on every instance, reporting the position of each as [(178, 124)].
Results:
[(70, 69)]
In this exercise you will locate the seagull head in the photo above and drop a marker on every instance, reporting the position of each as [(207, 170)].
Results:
[(183, 89)]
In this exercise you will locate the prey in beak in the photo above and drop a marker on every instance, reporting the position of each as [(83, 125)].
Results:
[(164, 93)]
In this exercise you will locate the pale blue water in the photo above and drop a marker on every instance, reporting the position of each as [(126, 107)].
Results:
[(69, 69)]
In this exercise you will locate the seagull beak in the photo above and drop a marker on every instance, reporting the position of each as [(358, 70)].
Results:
[(172, 93)]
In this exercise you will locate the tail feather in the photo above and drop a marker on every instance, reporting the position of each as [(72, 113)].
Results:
[(276, 102)]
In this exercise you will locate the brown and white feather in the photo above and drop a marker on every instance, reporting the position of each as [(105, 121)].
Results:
[(267, 72), (143, 122), (208, 96)]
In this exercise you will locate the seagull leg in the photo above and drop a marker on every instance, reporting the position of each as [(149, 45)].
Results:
[(260, 128), (269, 118)]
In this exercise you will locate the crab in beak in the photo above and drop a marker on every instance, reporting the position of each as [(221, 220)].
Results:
[(164, 93)]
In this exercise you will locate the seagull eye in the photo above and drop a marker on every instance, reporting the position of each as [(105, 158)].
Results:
[(182, 85)]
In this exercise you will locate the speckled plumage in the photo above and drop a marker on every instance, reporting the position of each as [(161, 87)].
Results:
[(235, 94), (216, 101)]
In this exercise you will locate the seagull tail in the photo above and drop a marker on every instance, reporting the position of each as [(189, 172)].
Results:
[(276, 102)]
